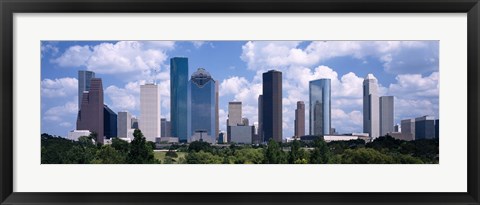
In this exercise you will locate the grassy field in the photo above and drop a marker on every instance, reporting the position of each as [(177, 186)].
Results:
[(160, 155)]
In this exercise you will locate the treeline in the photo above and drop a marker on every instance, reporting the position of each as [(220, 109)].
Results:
[(384, 150)]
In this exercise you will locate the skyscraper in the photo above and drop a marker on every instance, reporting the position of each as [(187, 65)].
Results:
[(272, 106), (124, 123), (179, 97), (408, 127), (166, 128), (149, 121), (320, 106), (371, 116), (425, 127), (109, 122), (90, 116), (84, 78), (260, 120), (300, 119), (386, 115), (217, 125), (201, 106), (234, 117)]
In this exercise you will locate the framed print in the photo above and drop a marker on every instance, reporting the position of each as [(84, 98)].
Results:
[(239, 102)]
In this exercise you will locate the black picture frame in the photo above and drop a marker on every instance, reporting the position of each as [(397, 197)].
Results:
[(10, 7)]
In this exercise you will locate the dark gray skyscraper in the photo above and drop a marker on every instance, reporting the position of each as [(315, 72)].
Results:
[(109, 122), (386, 115), (178, 97), (320, 107), (300, 119), (165, 128), (84, 78), (90, 116), (424, 127), (259, 138), (272, 106)]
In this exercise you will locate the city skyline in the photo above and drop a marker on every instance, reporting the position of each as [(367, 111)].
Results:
[(121, 93)]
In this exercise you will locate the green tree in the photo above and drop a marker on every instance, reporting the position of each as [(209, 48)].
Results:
[(294, 152), (197, 146), (274, 153), (202, 157), (321, 153), (249, 156), (140, 151), (108, 155), (365, 156)]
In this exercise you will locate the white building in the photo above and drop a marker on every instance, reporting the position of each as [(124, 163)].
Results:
[(124, 123), (234, 113), (371, 116), (241, 134), (75, 134), (149, 122)]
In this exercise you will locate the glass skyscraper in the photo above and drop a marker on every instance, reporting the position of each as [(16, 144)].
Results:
[(201, 106), (320, 107), (109, 122), (178, 97), (272, 106), (84, 78)]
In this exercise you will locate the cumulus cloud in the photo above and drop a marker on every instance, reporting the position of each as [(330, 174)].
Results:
[(59, 87), (232, 85), (57, 113), (74, 56), (49, 49)]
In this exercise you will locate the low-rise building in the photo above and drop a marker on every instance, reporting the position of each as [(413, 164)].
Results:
[(241, 134), (75, 134)]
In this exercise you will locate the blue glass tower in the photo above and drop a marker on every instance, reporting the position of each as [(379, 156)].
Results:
[(178, 97), (109, 122), (201, 106), (320, 107)]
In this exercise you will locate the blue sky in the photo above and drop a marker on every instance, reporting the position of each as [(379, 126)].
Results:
[(408, 70)]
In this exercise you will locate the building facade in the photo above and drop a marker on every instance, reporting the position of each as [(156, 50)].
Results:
[(75, 134), (124, 123), (408, 127), (202, 105), (425, 127), (149, 121), (260, 138), (371, 108), (272, 106), (300, 119), (90, 116), (386, 115), (242, 134), (179, 97), (109, 122), (166, 128), (320, 107), (84, 78)]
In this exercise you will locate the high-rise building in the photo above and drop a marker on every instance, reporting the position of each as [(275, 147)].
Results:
[(90, 116), (320, 106), (217, 125), (149, 121), (408, 127), (425, 127), (202, 105), (260, 120), (135, 123), (166, 128), (179, 97), (272, 106), (124, 123), (234, 113), (109, 122), (371, 107), (300, 119), (84, 78), (386, 115)]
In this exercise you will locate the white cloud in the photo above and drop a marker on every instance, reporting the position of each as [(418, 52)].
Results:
[(58, 112), (198, 44), (59, 87), (232, 85), (74, 56)]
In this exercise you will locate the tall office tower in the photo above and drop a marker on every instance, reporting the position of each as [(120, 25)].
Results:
[(135, 123), (386, 115), (272, 106), (149, 121), (397, 128), (425, 127), (371, 116), (437, 131), (166, 128), (260, 119), (300, 119), (217, 125), (234, 116), (84, 78), (202, 104), (179, 97), (320, 106), (90, 116), (109, 122), (408, 127), (124, 123)]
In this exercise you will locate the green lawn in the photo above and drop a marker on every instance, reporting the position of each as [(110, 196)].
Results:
[(160, 155)]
